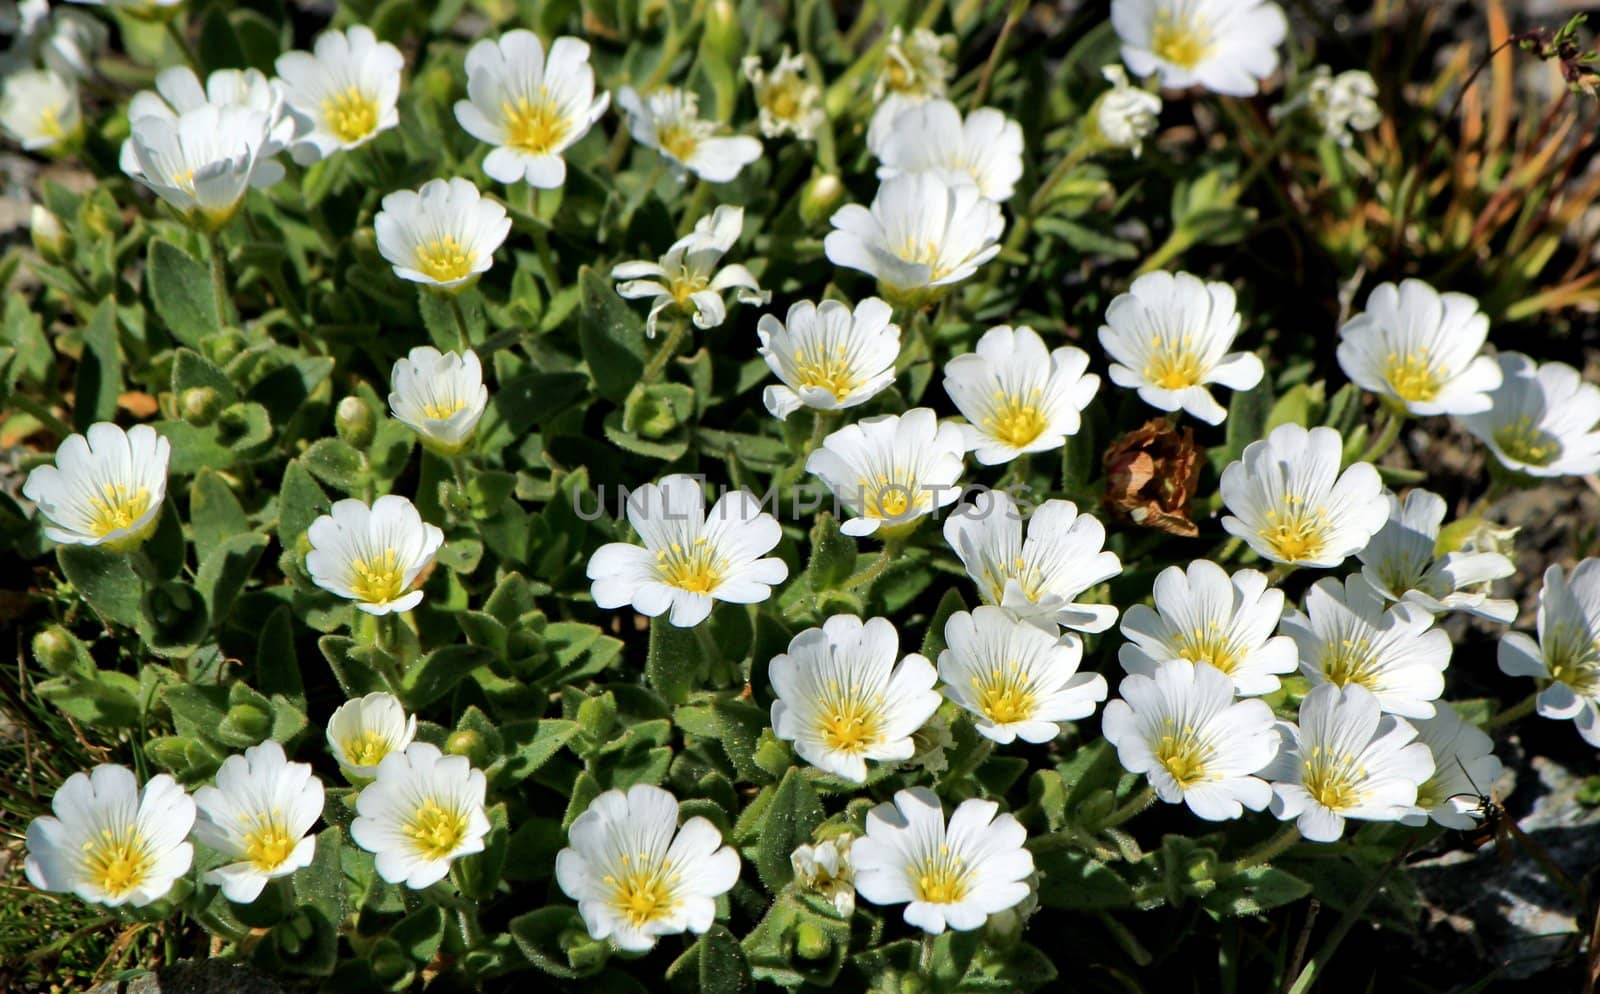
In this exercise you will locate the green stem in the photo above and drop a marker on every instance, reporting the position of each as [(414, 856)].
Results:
[(1515, 712), (547, 260), (1013, 16), (1135, 805), (219, 281), (176, 34), (874, 569), (461, 323), (1352, 914), (669, 348), (1388, 434), (41, 414), (1285, 837), (697, 207), (819, 431)]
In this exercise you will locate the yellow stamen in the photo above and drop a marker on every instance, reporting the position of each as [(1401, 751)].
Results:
[(851, 721), (535, 127), (820, 367), (1183, 754), (942, 878), (1412, 376), (1296, 533), (1006, 694), (644, 892), (378, 580), (1180, 38), (698, 569), (436, 831), (117, 507), (1527, 443), (350, 114), (269, 844), (1017, 420), (678, 140), (1173, 363), (1213, 645), (1334, 780), (445, 260), (117, 861), (366, 748)]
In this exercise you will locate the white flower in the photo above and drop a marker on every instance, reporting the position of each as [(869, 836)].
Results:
[(440, 396), (1346, 638), (915, 65), (106, 487), (1464, 772), (921, 235), (828, 356), (825, 869), (110, 842), (931, 136), (1420, 348), (1168, 337), (203, 161), (178, 91), (689, 558), (1203, 615), (443, 236), (1124, 116), (668, 121), (1400, 563), (690, 276), (1017, 681), (364, 730), (374, 555), (1566, 659), (954, 875), (529, 107), (64, 40), (257, 816), (637, 875), (347, 86), (50, 237), (1342, 104), (892, 470), (1181, 727), (842, 698), (1017, 397), (39, 109), (1346, 759), (1037, 578), (1291, 503), (423, 811), (1544, 420), (788, 103), (1226, 46)]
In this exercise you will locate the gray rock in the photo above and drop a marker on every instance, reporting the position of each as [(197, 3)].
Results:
[(210, 976)]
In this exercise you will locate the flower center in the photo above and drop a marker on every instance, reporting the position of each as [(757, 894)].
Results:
[(1006, 694), (439, 410), (1295, 533), (378, 580), (1526, 442), (849, 720), (351, 114), (1173, 363), (643, 893), (783, 99), (367, 748), (1016, 420), (819, 368), (50, 123), (1212, 645), (1182, 754), (686, 284), (890, 498), (697, 568), (942, 878), (444, 259), (1350, 660), (117, 507), (117, 862), (925, 253), (1412, 376), (1333, 780), (436, 832), (1181, 39), (678, 140), (1573, 656), (535, 127), (268, 845)]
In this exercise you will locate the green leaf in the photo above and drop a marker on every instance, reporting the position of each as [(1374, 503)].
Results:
[(440, 670), (1254, 890), (531, 744), (673, 660), (300, 502), (225, 568), (933, 641), (99, 380), (277, 668), (337, 464), (105, 579), (795, 812), (612, 336), (420, 934), (833, 554), (540, 936), (180, 292), (191, 371), (723, 968), (215, 514), (1247, 421), (1076, 881)]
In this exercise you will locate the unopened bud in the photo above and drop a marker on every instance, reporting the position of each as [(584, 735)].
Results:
[(249, 721), (811, 942), (354, 422), (201, 405), (55, 650), (723, 36), (470, 744), (820, 196), (50, 239)]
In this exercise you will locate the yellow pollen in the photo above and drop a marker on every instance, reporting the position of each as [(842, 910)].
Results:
[(535, 127), (366, 748), (436, 832), (117, 507), (678, 141), (697, 569), (818, 367), (850, 720), (1017, 420), (1180, 39), (1526, 442), (1173, 363), (893, 496), (1412, 376), (1212, 645), (445, 260), (943, 878), (268, 845), (1348, 661), (1573, 656), (378, 580), (782, 100), (350, 114), (1333, 780), (644, 893), (1183, 755), (1296, 533), (50, 123), (925, 254), (117, 862), (1006, 694), (439, 410)]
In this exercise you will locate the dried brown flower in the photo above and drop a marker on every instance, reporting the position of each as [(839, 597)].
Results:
[(1151, 475)]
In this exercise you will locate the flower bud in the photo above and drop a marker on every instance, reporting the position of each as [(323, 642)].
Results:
[(354, 422), (50, 239), (470, 744), (822, 193), (56, 650), (811, 942), (249, 721), (723, 35), (200, 405)]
